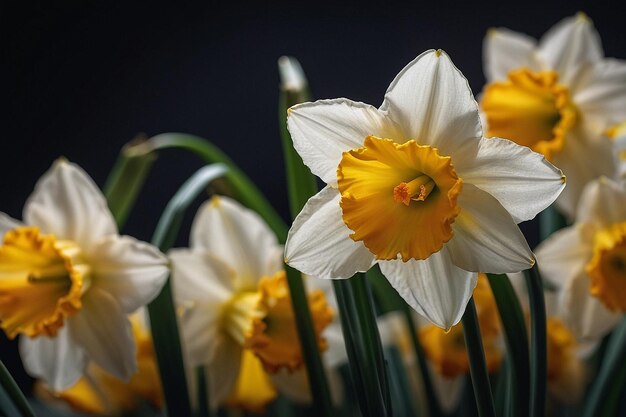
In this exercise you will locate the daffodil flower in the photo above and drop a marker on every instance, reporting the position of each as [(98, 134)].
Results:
[(68, 280), (556, 96), (414, 186), (235, 310), (587, 261)]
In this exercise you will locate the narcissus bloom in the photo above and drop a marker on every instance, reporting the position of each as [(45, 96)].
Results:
[(556, 96), (235, 309), (68, 280), (414, 186), (587, 261)]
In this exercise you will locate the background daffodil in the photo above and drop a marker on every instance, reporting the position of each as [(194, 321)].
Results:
[(587, 261), (557, 96), (68, 280), (236, 316), (414, 186)]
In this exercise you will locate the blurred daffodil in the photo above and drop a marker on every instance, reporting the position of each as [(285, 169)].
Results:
[(587, 261), (556, 96), (101, 393), (235, 309), (414, 186), (567, 374), (68, 281)]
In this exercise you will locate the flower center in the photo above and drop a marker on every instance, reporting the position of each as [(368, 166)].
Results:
[(41, 282), (607, 267), (398, 199), (561, 346), (263, 321), (530, 108), (447, 351)]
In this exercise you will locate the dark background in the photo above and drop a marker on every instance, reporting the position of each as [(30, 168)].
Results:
[(80, 79)]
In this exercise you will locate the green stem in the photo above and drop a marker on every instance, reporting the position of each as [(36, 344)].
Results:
[(514, 327), (245, 190), (478, 366), (14, 393), (610, 370), (301, 185), (162, 312), (365, 354), (538, 340), (310, 351), (126, 179)]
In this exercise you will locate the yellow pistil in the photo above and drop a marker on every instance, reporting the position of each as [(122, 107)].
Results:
[(607, 267), (530, 108), (263, 321), (561, 348), (253, 389), (41, 282), (398, 199), (447, 351)]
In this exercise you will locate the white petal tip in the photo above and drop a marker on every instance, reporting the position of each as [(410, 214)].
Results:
[(291, 74)]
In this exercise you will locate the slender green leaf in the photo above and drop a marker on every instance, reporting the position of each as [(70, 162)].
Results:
[(516, 338), (162, 312), (14, 393), (126, 179), (538, 342), (301, 186), (478, 366), (611, 370), (365, 354), (244, 188)]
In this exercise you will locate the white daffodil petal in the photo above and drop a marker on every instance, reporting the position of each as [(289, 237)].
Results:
[(433, 103), (523, 181), (200, 276), (133, 272), (603, 202), (584, 314), (435, 288), (202, 284), (236, 235), (200, 327), (319, 244), (486, 239), (505, 50), (602, 94), (323, 130), (562, 255), (568, 44), (223, 371), (67, 204), (579, 168), (7, 223), (59, 360), (104, 331)]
